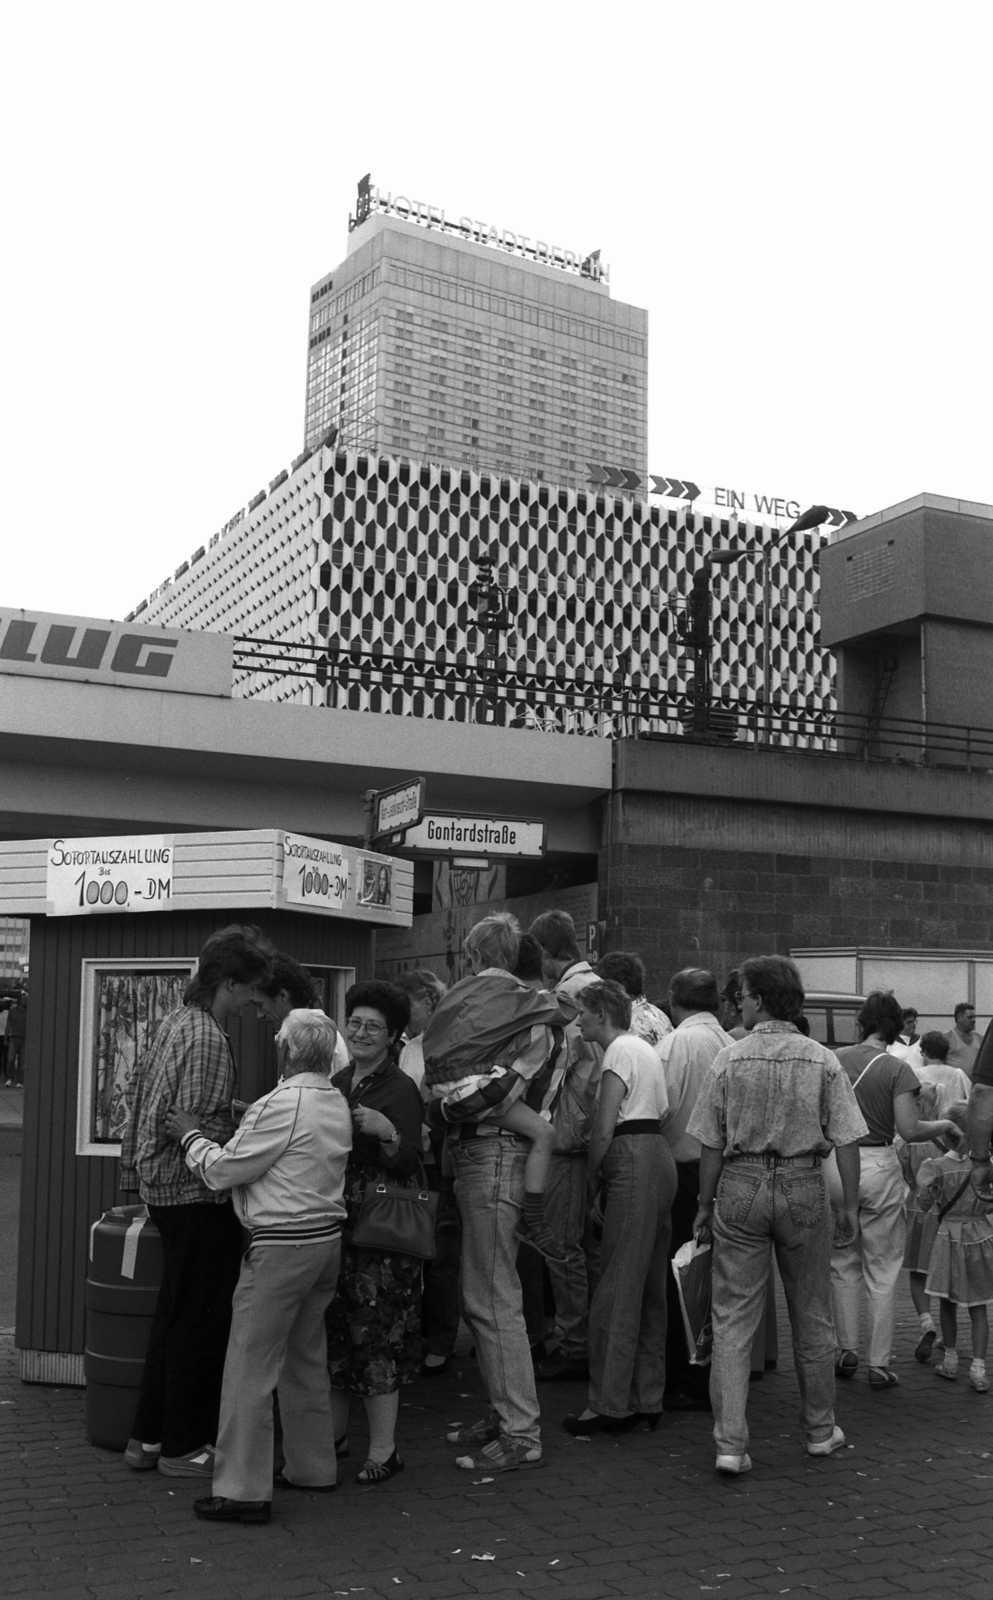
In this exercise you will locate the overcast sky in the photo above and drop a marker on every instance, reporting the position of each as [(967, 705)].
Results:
[(800, 194)]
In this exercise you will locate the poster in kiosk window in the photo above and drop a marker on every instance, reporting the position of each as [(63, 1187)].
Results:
[(85, 877), (375, 886)]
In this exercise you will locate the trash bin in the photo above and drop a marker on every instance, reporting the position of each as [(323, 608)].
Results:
[(122, 1286)]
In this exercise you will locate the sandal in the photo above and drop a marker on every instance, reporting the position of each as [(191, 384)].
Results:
[(882, 1378), (380, 1471), (846, 1364), (478, 1433)]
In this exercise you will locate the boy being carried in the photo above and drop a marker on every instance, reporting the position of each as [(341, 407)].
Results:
[(487, 1041)]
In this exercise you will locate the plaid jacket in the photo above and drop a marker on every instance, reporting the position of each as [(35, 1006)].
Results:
[(189, 1065)]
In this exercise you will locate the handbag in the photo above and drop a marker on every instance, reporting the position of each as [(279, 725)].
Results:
[(397, 1220), (691, 1266)]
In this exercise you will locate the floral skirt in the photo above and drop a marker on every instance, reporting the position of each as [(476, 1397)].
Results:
[(373, 1323)]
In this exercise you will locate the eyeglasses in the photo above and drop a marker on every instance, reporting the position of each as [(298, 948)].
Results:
[(360, 1026)]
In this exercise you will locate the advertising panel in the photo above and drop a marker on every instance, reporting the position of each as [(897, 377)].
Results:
[(87, 877)]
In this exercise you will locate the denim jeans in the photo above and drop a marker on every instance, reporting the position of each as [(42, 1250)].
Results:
[(872, 1263), (628, 1311), (565, 1213), (489, 1185), (762, 1207)]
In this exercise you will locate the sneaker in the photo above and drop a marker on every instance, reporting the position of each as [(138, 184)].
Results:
[(826, 1447), (540, 1239), (503, 1455), (142, 1457), (924, 1346), (734, 1465), (943, 1371), (979, 1381), (195, 1464), (476, 1433)]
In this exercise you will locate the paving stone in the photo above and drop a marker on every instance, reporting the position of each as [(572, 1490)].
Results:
[(902, 1512)]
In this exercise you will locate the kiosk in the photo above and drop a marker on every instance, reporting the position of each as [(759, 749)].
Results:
[(116, 927)]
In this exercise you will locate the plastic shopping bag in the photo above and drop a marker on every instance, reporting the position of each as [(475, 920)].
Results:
[(691, 1265)]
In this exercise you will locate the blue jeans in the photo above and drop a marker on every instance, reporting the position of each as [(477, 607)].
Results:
[(489, 1185), (628, 1312), (759, 1207)]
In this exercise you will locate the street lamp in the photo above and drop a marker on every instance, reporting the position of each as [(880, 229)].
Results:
[(695, 624), (695, 628)]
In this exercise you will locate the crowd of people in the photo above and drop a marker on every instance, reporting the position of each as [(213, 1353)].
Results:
[(527, 1150)]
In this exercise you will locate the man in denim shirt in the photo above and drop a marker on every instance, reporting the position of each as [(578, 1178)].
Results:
[(773, 1104)]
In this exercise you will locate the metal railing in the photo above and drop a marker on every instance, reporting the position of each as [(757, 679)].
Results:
[(451, 686)]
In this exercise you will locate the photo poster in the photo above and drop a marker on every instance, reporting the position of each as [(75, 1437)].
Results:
[(375, 885)]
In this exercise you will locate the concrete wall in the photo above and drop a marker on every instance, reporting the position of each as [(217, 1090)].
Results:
[(713, 855)]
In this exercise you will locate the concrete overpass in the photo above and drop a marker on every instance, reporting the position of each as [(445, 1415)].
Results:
[(96, 758)]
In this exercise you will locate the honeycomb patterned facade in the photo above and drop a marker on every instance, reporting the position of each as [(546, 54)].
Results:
[(364, 553)]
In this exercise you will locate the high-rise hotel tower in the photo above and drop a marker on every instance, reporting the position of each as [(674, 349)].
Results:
[(454, 341)]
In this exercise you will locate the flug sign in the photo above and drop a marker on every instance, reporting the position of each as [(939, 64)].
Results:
[(37, 644)]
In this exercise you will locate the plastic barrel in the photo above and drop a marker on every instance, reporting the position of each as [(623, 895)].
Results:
[(122, 1287)]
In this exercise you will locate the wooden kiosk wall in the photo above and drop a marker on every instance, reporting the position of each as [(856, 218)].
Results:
[(62, 1193)]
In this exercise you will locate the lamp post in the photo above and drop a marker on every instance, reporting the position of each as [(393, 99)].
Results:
[(695, 628), (487, 597)]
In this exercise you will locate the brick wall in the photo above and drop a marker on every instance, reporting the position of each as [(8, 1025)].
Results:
[(704, 904)]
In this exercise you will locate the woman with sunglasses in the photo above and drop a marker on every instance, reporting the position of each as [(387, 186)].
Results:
[(373, 1326)]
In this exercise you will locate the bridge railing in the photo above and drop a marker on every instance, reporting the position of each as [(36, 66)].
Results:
[(450, 686)]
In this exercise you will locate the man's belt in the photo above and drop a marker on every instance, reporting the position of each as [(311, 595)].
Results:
[(480, 1130), (771, 1158)]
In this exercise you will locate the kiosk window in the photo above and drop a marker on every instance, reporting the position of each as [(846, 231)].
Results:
[(123, 1003)]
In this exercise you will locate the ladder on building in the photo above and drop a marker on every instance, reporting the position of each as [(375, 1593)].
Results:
[(874, 715)]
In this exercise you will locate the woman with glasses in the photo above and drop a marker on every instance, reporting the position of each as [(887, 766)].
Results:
[(373, 1327)]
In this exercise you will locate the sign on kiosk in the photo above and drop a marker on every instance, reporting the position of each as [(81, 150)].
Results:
[(315, 873), (87, 876)]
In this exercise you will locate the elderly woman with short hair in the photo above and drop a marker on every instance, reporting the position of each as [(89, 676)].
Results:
[(286, 1168)]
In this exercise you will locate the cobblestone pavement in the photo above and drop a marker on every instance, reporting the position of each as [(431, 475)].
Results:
[(901, 1511)]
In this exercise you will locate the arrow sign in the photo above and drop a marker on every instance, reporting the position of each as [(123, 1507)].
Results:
[(596, 474), (838, 519)]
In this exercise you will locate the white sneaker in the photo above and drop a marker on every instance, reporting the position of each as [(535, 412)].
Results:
[(980, 1382), (734, 1464), (826, 1447)]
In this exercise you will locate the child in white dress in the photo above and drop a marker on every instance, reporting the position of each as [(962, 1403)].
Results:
[(921, 1225), (960, 1269)]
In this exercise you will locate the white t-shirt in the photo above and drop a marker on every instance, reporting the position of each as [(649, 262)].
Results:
[(951, 1083), (412, 1061), (643, 1076)]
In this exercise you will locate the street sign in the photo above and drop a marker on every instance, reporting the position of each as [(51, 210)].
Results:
[(448, 833), (397, 808)]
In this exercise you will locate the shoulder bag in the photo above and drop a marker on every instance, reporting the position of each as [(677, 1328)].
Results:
[(397, 1219)]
